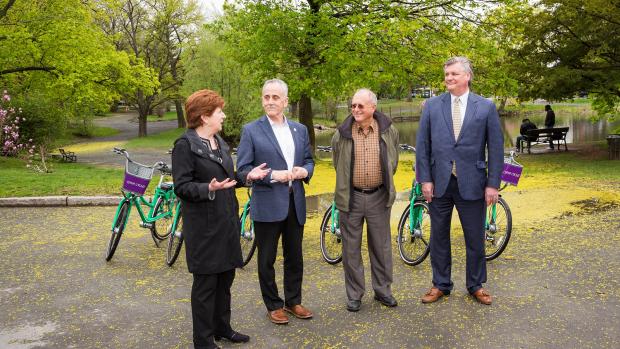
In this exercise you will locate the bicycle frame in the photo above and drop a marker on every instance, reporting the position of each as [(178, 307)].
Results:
[(415, 213), (335, 224), (244, 234)]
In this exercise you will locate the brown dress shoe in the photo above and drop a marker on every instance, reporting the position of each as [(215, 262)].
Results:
[(278, 316), (299, 311), (483, 296), (432, 295)]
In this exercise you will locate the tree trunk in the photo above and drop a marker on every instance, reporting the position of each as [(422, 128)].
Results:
[(295, 109), (143, 112), (502, 105), (409, 92), (180, 119), (305, 116)]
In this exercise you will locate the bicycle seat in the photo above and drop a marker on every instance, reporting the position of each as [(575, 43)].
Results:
[(166, 185)]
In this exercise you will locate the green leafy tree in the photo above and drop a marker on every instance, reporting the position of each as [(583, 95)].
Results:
[(209, 67), (55, 55), (571, 46), (157, 32), (326, 49)]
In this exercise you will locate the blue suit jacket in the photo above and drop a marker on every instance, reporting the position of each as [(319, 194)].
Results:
[(436, 147), (258, 144)]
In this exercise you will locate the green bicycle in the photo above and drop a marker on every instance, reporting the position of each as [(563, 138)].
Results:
[(414, 227), (248, 241), (331, 238), (164, 207)]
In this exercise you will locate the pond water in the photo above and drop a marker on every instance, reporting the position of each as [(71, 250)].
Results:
[(581, 129)]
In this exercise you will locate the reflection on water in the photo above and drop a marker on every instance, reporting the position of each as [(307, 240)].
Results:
[(581, 129)]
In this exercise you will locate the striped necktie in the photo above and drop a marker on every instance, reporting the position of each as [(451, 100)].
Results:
[(456, 125)]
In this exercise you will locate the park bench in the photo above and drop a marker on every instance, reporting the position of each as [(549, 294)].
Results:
[(68, 156), (543, 136)]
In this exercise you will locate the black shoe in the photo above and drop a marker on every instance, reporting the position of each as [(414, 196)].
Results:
[(388, 301), (234, 337), (354, 305)]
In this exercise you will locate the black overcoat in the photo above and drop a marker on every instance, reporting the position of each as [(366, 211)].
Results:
[(210, 227)]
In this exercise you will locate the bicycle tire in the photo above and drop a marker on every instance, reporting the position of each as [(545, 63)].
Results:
[(329, 239), (496, 238), (247, 237), (162, 205), (117, 229), (175, 240), (414, 248)]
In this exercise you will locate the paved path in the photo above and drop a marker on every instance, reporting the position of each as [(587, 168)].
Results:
[(127, 124), (556, 286)]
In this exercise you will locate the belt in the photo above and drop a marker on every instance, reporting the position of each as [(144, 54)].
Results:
[(368, 191)]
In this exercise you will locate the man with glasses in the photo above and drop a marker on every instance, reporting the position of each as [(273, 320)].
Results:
[(365, 156), (278, 201), (457, 130)]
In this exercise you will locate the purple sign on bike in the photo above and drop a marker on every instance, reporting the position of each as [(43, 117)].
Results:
[(135, 184), (511, 173)]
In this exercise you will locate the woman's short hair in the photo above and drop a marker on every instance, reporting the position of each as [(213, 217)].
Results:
[(201, 102)]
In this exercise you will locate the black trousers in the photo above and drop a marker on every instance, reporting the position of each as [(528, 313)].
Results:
[(211, 307), (472, 215), (267, 237)]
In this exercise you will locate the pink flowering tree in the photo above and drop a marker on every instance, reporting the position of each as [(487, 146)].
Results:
[(11, 141)]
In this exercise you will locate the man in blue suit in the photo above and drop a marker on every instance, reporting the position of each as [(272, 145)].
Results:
[(456, 129), (278, 200)]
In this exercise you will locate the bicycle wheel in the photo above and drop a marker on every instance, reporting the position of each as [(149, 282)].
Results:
[(117, 229), (161, 227), (248, 239), (498, 230), (331, 242), (175, 242), (413, 246)]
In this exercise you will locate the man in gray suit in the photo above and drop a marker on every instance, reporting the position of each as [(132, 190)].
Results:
[(278, 201), (456, 129)]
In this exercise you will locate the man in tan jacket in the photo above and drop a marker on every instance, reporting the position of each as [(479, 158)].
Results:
[(365, 156)]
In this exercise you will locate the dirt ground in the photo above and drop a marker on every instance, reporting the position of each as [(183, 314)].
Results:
[(556, 286)]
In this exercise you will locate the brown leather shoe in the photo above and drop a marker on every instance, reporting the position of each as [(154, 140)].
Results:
[(483, 296), (278, 316), (299, 311), (432, 295)]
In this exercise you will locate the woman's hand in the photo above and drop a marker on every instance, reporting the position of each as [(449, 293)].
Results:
[(259, 172), (214, 185)]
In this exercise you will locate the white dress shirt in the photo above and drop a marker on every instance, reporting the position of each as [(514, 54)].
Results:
[(463, 99), (284, 137)]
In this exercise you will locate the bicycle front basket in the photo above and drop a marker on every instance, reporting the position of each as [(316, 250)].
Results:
[(511, 173), (137, 177)]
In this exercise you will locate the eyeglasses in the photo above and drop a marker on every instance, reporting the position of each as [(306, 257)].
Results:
[(358, 106)]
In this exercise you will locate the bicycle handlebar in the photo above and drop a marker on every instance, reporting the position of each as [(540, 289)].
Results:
[(159, 165)]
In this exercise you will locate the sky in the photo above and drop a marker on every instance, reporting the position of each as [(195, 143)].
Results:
[(211, 7)]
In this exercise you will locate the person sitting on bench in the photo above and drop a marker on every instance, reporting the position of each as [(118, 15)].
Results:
[(526, 125)]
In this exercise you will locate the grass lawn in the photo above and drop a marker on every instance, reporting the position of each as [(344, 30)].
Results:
[(169, 115), (556, 173), (66, 179)]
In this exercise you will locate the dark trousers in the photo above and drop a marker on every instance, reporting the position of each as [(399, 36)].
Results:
[(472, 215), (211, 307), (267, 236)]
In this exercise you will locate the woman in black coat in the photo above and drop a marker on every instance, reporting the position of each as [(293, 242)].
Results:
[(202, 170)]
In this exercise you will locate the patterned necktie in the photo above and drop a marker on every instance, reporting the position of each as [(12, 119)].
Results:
[(456, 125)]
